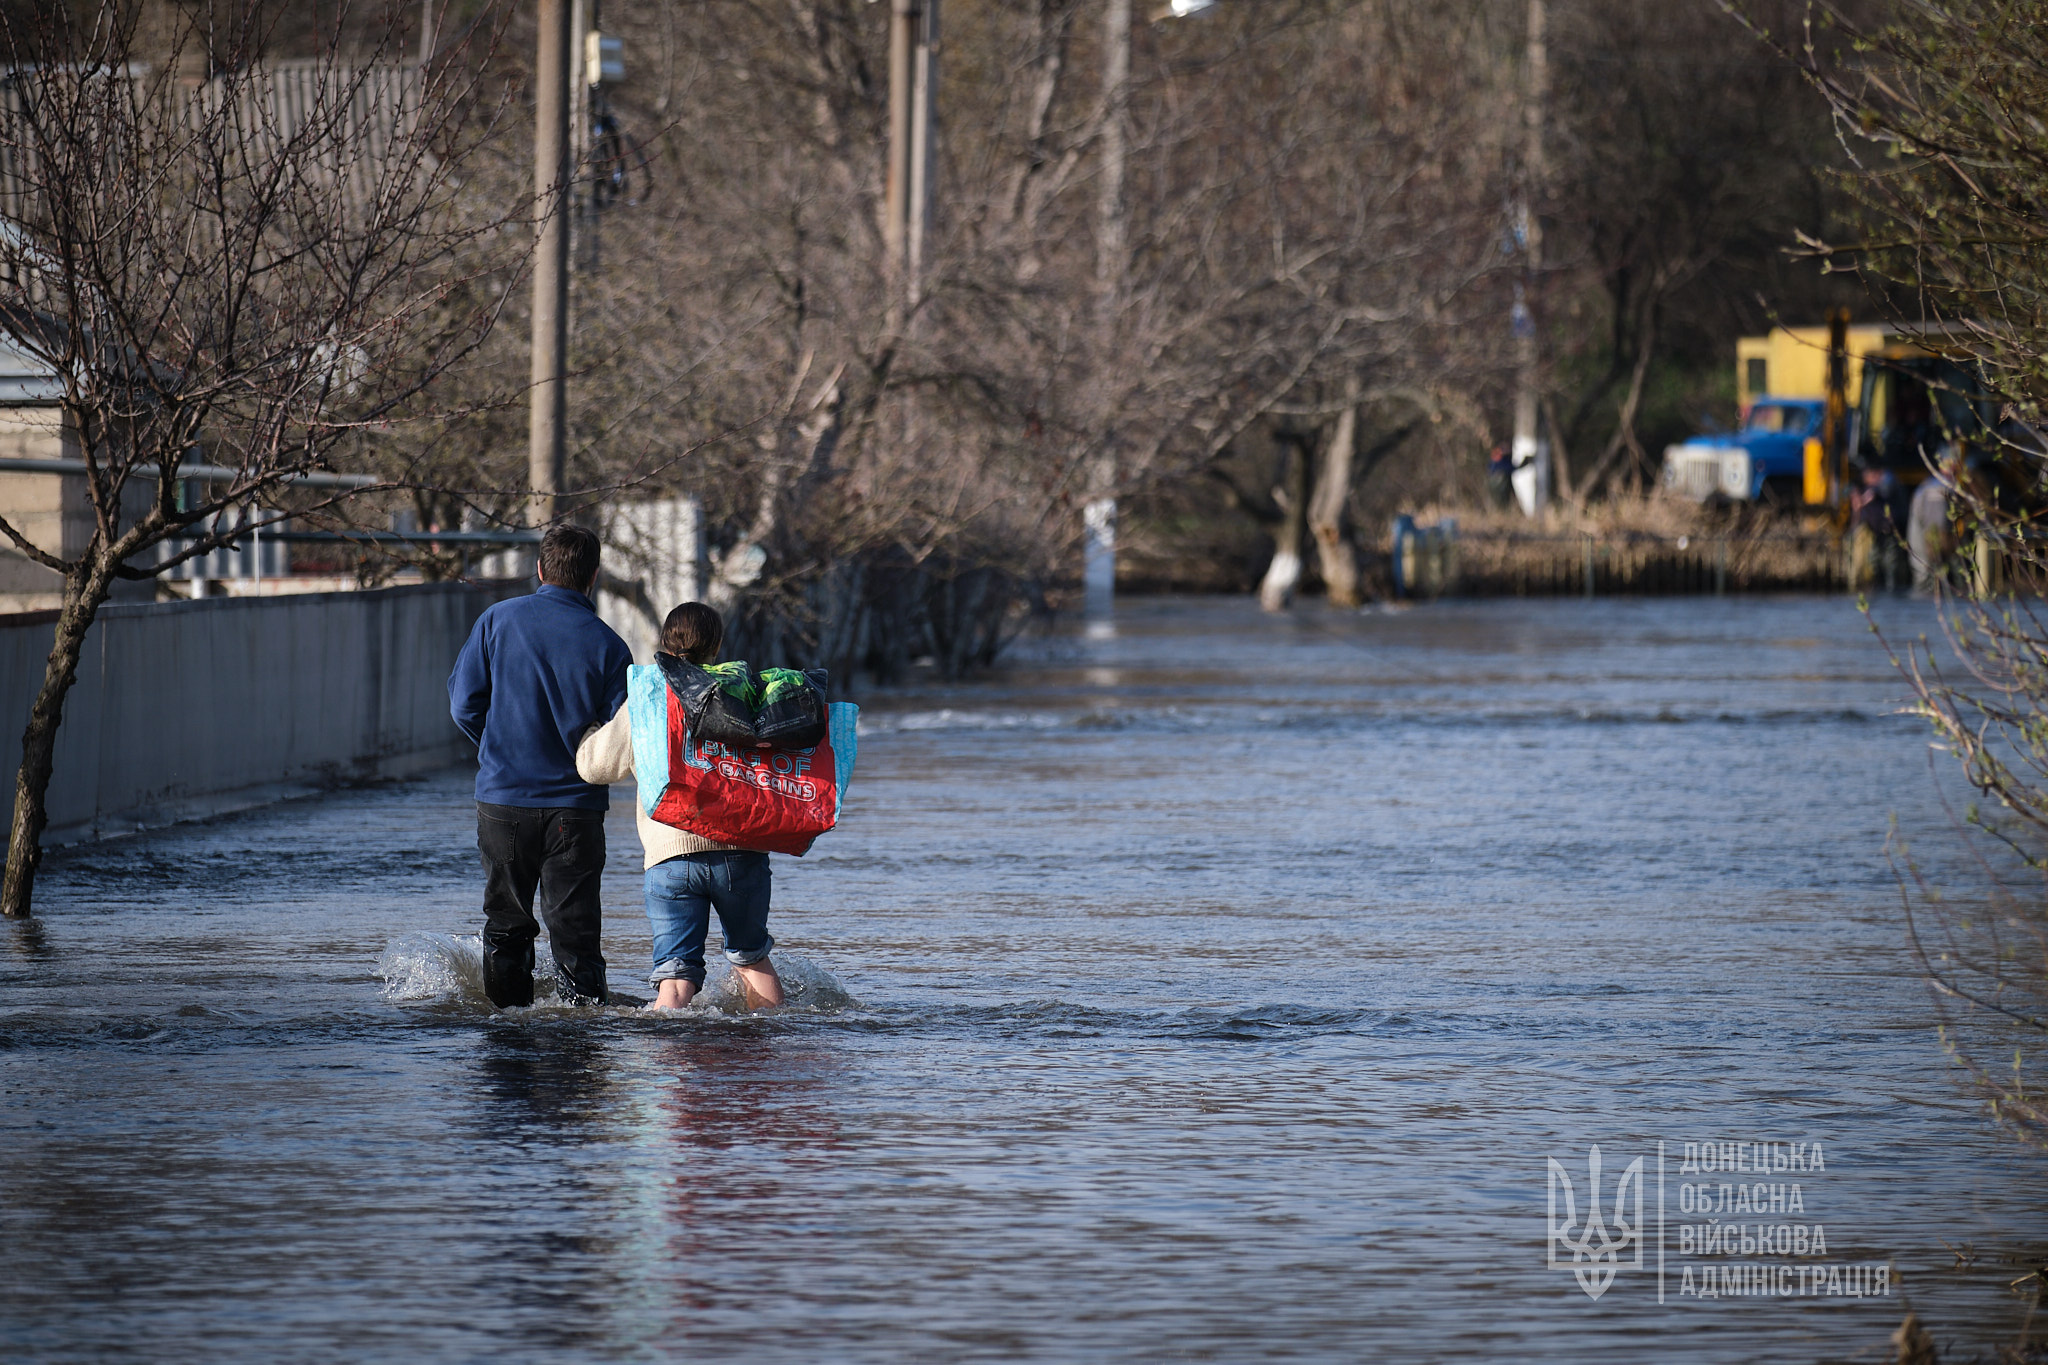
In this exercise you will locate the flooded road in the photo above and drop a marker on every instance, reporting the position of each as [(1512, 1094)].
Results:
[(1220, 991)]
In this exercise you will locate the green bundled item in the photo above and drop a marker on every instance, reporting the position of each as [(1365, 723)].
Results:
[(737, 681), (791, 711), (727, 703)]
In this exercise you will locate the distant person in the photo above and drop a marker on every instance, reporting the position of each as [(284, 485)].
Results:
[(687, 875), (537, 672), (1500, 476), (1928, 529), (1875, 542)]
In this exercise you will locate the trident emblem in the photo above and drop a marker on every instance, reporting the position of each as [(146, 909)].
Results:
[(1598, 1245)]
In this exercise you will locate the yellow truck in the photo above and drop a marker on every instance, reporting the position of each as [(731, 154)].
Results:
[(1777, 452), (1792, 362), (1899, 402)]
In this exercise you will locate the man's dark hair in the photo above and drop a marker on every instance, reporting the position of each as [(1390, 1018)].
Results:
[(568, 558), (693, 631)]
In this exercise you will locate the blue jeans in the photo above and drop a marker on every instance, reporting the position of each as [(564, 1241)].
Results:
[(682, 892)]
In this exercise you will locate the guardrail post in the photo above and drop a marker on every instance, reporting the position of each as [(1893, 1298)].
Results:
[(1589, 567)]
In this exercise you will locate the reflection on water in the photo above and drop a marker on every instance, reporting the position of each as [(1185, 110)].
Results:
[(25, 939), (1215, 987), (551, 1081)]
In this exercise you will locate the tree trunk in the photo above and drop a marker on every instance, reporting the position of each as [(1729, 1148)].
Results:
[(1624, 437), (1283, 575), (84, 593), (1334, 550), (1560, 455)]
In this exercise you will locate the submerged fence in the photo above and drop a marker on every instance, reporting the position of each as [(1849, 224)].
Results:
[(1514, 564), (185, 709)]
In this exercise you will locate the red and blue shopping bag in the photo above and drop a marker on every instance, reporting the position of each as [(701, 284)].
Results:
[(779, 800)]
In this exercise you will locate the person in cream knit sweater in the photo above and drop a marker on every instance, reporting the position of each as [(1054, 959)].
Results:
[(688, 876)]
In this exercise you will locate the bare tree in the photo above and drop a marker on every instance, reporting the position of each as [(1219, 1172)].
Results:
[(1942, 121), (1309, 187), (1985, 949), (1944, 116), (1676, 178), (1379, 168), (1337, 555), (238, 267)]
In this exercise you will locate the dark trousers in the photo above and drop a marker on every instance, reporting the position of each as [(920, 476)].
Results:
[(560, 853)]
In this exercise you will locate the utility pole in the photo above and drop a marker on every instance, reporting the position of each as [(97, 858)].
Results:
[(1112, 256), (913, 118), (1110, 232), (903, 25), (582, 211), (924, 93), (547, 436), (1531, 453)]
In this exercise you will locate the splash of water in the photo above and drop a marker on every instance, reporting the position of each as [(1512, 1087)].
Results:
[(423, 966), (805, 986), (448, 968)]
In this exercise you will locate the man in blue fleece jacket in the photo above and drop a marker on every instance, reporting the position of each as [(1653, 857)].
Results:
[(535, 674)]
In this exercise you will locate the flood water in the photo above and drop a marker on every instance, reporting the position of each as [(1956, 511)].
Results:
[(1219, 991)]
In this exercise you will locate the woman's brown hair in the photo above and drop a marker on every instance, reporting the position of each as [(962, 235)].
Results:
[(693, 631)]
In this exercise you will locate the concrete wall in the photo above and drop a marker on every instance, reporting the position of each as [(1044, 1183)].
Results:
[(653, 562), (185, 709)]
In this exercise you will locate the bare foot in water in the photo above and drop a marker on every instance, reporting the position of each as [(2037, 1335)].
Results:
[(761, 983), (674, 994)]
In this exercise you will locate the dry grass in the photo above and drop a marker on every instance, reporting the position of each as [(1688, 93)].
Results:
[(1644, 545), (1652, 514)]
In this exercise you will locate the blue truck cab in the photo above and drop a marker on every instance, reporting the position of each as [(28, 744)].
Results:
[(1765, 457)]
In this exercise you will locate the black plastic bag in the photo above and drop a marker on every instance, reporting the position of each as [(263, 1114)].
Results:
[(783, 710), (713, 713), (792, 714)]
